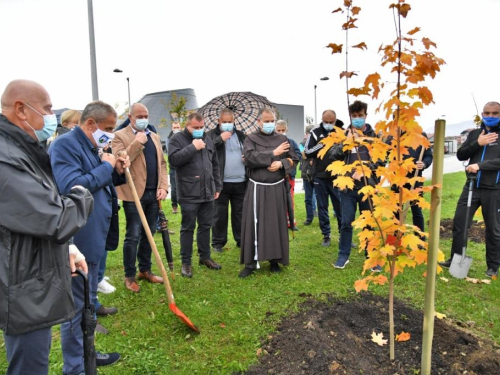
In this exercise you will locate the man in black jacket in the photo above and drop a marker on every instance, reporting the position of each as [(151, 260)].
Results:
[(482, 150), (198, 183), (323, 180), (35, 226), (229, 145)]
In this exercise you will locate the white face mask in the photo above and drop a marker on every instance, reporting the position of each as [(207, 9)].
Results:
[(141, 123), (176, 131), (102, 138)]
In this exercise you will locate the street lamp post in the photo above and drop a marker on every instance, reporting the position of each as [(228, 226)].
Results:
[(315, 102), (93, 62), (128, 86)]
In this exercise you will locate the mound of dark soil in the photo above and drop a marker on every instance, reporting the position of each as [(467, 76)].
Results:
[(476, 230), (334, 337)]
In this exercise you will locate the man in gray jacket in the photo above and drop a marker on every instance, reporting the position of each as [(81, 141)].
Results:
[(198, 183), (35, 282)]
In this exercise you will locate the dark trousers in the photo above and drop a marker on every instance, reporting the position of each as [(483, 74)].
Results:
[(349, 201), (324, 189), (136, 244), (310, 199), (234, 193), (71, 331), (173, 187), (489, 200), (28, 354), (203, 214)]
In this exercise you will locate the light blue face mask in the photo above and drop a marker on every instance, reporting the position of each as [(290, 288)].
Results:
[(268, 127), (141, 123), (358, 123), (49, 126), (328, 127), (198, 133), (227, 127)]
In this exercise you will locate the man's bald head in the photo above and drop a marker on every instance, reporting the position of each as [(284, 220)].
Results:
[(137, 107), (21, 101)]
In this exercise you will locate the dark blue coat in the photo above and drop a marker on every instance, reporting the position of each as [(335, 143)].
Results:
[(75, 161)]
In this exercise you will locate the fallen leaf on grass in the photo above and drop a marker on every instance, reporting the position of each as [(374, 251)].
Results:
[(439, 315), (403, 336), (378, 338), (222, 325), (310, 326), (477, 281), (444, 279)]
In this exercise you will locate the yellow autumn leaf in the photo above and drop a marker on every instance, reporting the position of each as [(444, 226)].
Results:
[(439, 315), (344, 182), (378, 338)]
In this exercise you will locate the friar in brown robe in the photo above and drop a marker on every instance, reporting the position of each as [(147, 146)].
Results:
[(269, 158)]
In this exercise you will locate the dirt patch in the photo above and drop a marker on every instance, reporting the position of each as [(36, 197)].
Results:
[(334, 337), (476, 231)]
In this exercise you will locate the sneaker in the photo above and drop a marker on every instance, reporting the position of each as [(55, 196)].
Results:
[(491, 273), (275, 267), (105, 287), (446, 263), (341, 263), (217, 249), (104, 311), (245, 272), (377, 268), (326, 241), (106, 359)]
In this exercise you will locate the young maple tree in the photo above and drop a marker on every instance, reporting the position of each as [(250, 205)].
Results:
[(390, 242)]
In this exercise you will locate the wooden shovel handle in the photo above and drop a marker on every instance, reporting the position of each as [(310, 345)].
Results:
[(159, 263)]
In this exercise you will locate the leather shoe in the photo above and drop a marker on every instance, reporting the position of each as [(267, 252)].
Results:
[(103, 311), (446, 263), (101, 329), (151, 277), (275, 267), (308, 222), (245, 272), (187, 270), (209, 263), (132, 285)]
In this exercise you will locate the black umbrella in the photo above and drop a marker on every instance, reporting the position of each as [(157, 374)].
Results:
[(89, 323), (167, 245), (245, 105)]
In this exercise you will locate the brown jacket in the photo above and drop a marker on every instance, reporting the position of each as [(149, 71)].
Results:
[(125, 140)]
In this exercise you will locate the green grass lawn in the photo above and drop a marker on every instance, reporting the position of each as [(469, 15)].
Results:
[(234, 315)]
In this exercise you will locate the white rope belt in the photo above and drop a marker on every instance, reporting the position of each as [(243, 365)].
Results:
[(256, 258)]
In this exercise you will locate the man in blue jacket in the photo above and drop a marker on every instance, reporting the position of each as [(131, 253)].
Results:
[(482, 149), (76, 160)]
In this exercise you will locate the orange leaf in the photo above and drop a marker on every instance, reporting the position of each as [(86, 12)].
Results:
[(347, 74), (222, 325), (338, 10), (378, 338), (349, 24), (347, 3), (403, 336), (404, 9), (360, 285), (336, 48), (427, 43), (361, 45), (414, 31), (355, 10)]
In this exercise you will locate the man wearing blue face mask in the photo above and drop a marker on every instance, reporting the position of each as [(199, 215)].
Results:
[(350, 199), (149, 172), (482, 149), (229, 145), (198, 185), (323, 179)]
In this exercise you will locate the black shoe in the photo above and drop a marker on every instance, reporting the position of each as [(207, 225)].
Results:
[(187, 270), (106, 359), (326, 241), (217, 249), (238, 244), (103, 311), (275, 267), (491, 273), (99, 328), (295, 229), (446, 263), (247, 271), (308, 222)]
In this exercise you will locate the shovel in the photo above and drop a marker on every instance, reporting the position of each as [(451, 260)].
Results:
[(460, 264), (159, 263)]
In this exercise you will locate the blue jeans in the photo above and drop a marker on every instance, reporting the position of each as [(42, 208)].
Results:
[(136, 244), (349, 201), (310, 199), (100, 276), (202, 213), (324, 189), (28, 354), (71, 331)]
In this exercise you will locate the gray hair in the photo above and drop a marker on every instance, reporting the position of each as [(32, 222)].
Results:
[(492, 103), (99, 111), (309, 128), (329, 111), (265, 110), (282, 123), (226, 111)]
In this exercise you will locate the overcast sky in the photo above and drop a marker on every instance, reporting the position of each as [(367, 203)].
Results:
[(274, 48)]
